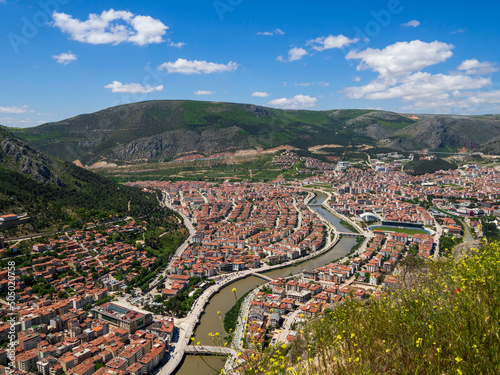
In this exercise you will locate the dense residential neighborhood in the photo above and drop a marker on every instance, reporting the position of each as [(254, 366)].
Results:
[(77, 308)]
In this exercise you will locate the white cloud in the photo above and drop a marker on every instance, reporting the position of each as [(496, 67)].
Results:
[(176, 45), (331, 41), (260, 94), (417, 86), (16, 110), (306, 84), (294, 54), (402, 58), (184, 66), (298, 101), (412, 23), (22, 123), (132, 88), (271, 33), (112, 27), (65, 58), (472, 102), (474, 67), (204, 92), (401, 77), (357, 79)]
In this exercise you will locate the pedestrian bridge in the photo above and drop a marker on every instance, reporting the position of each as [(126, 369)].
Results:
[(210, 350)]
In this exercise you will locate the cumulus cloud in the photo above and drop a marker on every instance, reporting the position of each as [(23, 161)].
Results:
[(271, 33), (204, 92), (331, 41), (296, 102), (260, 94), (472, 102), (132, 88), (418, 86), (112, 27), (474, 67), (412, 23), (296, 53), (402, 58), (462, 91), (357, 79), (16, 110), (65, 58), (184, 66)]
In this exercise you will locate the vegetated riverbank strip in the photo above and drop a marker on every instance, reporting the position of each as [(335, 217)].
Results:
[(231, 318)]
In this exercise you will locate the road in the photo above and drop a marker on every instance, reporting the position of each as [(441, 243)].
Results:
[(189, 225), (287, 326), (437, 236)]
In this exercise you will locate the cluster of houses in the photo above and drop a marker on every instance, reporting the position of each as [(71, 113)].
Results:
[(59, 337), (79, 254), (322, 288), (241, 226), (56, 333)]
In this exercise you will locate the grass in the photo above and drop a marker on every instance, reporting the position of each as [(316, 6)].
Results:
[(349, 226), (231, 317), (444, 319), (400, 230)]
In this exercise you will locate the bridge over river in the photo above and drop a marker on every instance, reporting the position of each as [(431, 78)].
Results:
[(210, 350)]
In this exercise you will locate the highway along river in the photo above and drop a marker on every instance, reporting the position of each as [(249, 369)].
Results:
[(211, 322)]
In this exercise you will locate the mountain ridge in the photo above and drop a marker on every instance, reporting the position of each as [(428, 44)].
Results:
[(163, 130)]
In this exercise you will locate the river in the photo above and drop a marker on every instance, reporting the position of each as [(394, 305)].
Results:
[(211, 321)]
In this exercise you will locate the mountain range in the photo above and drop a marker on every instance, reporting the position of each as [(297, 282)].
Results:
[(165, 130)]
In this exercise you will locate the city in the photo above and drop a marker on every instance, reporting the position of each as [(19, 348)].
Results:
[(88, 317)]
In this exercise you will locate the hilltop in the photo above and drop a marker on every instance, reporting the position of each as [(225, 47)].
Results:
[(53, 192), (165, 130)]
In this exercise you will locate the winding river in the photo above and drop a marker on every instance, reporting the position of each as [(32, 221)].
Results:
[(211, 322)]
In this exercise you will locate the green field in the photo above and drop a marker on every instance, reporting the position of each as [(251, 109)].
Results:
[(399, 230)]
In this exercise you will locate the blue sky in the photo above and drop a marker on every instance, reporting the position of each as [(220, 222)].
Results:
[(61, 58)]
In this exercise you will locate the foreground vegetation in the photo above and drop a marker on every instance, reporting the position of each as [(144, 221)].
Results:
[(444, 319)]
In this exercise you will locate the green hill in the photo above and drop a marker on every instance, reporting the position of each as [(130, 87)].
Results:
[(163, 130), (54, 192)]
